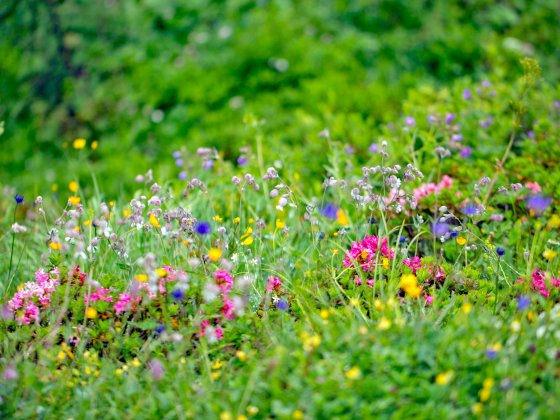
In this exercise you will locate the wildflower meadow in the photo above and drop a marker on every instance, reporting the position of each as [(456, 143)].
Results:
[(253, 210)]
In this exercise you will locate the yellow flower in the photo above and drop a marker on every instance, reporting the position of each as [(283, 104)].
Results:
[(385, 262), (73, 200), (142, 278), (251, 220), (162, 272), (241, 355), (484, 394), (54, 187), (383, 324), (341, 218), (297, 415), (477, 408), (135, 362), (126, 212), (91, 313), (324, 313), (215, 254), (549, 254), (154, 221), (87, 222), (488, 383), (414, 292), (252, 410), (353, 373), (94, 144), (236, 220), (56, 246), (280, 224), (444, 377), (334, 251), (226, 415), (466, 308), (248, 240), (73, 186), (79, 144), (461, 241), (218, 219), (408, 281), (248, 232), (217, 364), (553, 222)]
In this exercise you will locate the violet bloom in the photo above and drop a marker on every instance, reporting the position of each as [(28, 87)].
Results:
[(282, 305), (329, 211), (523, 303), (440, 228), (182, 175), (410, 121), (18, 198), (208, 164), (456, 137), (178, 294), (432, 119), (465, 152), (470, 209), (242, 160), (179, 162), (373, 148), (449, 118), (538, 203), (202, 228), (467, 95), (491, 353)]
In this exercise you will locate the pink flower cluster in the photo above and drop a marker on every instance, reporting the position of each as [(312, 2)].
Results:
[(415, 263), (100, 294), (224, 281), (425, 190), (273, 284), (539, 283), (364, 253), (126, 302), (24, 304)]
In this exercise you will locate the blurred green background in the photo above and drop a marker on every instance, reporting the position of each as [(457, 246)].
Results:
[(144, 78)]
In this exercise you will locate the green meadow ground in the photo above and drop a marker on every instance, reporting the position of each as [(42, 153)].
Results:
[(361, 222)]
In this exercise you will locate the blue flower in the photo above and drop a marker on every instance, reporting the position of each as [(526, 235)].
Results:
[(440, 228), (470, 209), (202, 228), (160, 328), (282, 305), (538, 203), (329, 210), (178, 294), (500, 251), (491, 353), (523, 303), (18, 198)]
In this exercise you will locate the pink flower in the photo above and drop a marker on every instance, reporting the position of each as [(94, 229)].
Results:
[(414, 263), (224, 280), (533, 186), (364, 253), (429, 299), (539, 284), (273, 283), (227, 309)]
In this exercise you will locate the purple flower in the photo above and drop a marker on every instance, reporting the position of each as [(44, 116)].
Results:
[(467, 95), (491, 353), (182, 175), (242, 160), (202, 228), (373, 148), (470, 209), (457, 137), (449, 118), (178, 294), (156, 369), (176, 155), (432, 119), (208, 164), (440, 228), (410, 121), (556, 104), (179, 162), (538, 203), (18, 198), (466, 152), (329, 211), (523, 303), (282, 305), (349, 150)]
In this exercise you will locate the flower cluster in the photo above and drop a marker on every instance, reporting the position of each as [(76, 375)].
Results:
[(368, 253), (426, 189), (538, 283), (33, 296)]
